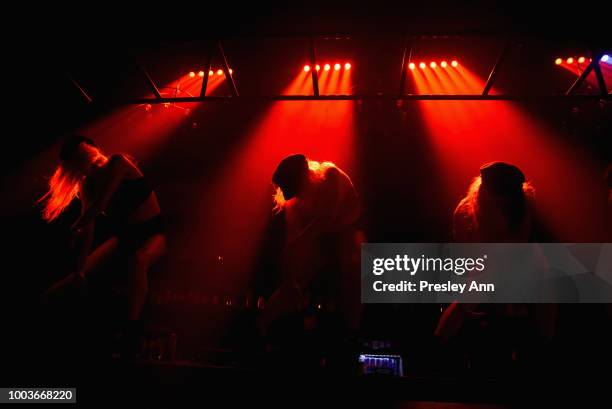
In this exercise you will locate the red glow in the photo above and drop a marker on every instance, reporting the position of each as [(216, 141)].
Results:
[(322, 130), (326, 67), (211, 73), (318, 67), (433, 64), (422, 65), (219, 72), (192, 74), (347, 66), (581, 60), (570, 60), (411, 66), (466, 134), (455, 63), (201, 73), (307, 68), (443, 64), (337, 67)]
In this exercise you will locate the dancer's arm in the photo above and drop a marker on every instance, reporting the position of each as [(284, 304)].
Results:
[(117, 169)]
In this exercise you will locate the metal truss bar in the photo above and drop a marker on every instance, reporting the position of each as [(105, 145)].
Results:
[(80, 88), (582, 77), (226, 68), (495, 69), (359, 97), (406, 57), (206, 73), (313, 68)]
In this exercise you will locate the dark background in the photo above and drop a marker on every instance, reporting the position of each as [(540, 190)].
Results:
[(211, 167)]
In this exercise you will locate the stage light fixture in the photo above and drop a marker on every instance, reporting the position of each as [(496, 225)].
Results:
[(433, 64), (581, 60), (306, 68), (605, 58), (201, 73), (192, 74), (317, 67), (347, 66), (570, 60), (337, 67), (327, 67), (211, 73), (422, 65), (454, 63), (219, 72), (559, 61), (231, 71), (443, 64), (411, 66)]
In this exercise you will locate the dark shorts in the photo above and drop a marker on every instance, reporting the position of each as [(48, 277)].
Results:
[(132, 236)]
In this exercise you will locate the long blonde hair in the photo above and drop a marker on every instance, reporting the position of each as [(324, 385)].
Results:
[(469, 207), (65, 183)]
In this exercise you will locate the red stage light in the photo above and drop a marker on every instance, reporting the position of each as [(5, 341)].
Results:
[(454, 63), (326, 67), (317, 67), (219, 72), (559, 61), (211, 73), (411, 66), (581, 60), (306, 68), (231, 71), (433, 64), (201, 73), (347, 66), (422, 65), (192, 74), (443, 64), (570, 60), (337, 67)]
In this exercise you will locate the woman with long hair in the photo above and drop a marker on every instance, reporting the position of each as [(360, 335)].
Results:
[(498, 208), (321, 211), (113, 187)]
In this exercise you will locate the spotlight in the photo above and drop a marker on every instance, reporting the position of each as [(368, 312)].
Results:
[(433, 64), (211, 73), (337, 67), (231, 71), (443, 64), (347, 66), (306, 68), (201, 73), (570, 60), (317, 67), (411, 66), (422, 65), (559, 61), (326, 67), (581, 60), (219, 72), (454, 63), (192, 74), (605, 58)]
